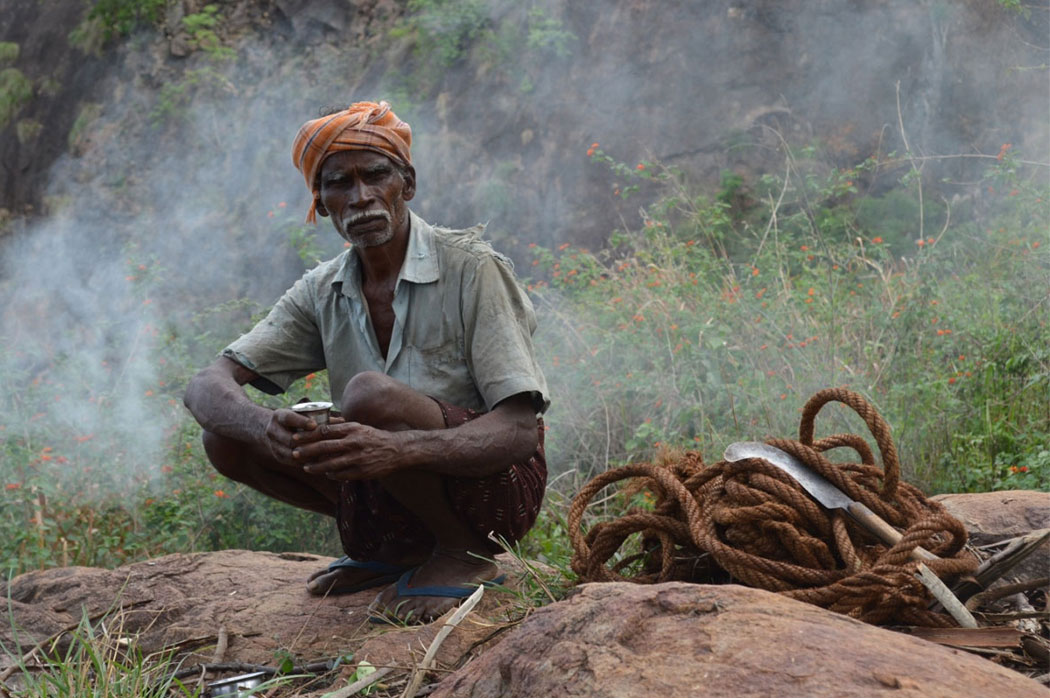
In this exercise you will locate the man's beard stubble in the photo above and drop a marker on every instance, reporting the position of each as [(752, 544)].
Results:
[(372, 238)]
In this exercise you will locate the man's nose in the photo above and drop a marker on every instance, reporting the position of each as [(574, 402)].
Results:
[(360, 195)]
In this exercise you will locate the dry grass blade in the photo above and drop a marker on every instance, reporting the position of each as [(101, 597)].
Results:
[(464, 609)]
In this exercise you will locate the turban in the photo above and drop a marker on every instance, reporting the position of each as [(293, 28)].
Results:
[(362, 125)]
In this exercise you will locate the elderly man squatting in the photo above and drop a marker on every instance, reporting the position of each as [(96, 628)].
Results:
[(427, 335)]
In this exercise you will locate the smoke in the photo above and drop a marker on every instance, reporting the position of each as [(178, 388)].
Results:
[(184, 197)]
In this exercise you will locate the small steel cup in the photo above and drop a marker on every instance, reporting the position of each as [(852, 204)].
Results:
[(318, 410)]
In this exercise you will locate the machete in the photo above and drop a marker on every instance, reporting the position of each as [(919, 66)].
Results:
[(826, 493)]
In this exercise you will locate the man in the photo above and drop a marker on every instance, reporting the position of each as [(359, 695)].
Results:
[(426, 336)]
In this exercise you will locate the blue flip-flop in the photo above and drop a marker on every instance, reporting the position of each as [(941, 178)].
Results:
[(404, 591), (385, 573)]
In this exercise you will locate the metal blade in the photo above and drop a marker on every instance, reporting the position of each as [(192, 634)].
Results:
[(829, 495)]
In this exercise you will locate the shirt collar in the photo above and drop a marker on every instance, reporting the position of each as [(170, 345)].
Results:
[(420, 264)]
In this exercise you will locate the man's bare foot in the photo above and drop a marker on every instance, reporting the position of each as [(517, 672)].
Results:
[(346, 575), (445, 568)]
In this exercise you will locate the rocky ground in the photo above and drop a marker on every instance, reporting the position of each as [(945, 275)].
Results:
[(675, 639)]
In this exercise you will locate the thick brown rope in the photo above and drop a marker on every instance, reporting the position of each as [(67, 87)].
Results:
[(751, 523)]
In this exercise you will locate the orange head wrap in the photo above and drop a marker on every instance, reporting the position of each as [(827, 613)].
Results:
[(362, 125)]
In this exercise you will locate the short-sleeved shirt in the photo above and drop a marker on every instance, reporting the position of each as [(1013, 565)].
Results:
[(462, 331)]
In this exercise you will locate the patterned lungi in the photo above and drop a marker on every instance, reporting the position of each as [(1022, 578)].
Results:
[(505, 504)]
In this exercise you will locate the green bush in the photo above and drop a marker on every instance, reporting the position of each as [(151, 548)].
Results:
[(119, 17), (8, 53), (15, 92), (715, 321)]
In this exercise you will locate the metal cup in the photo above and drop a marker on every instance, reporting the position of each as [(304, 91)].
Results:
[(318, 410)]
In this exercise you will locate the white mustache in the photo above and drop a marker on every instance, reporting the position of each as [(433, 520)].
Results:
[(365, 215)]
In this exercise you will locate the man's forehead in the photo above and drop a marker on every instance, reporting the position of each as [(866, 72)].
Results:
[(357, 158)]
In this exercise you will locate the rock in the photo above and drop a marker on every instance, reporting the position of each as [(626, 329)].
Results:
[(1002, 515), (679, 639), (259, 597)]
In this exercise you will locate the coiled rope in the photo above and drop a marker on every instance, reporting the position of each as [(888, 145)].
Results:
[(750, 522)]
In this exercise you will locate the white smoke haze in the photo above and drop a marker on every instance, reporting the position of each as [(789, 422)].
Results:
[(185, 199)]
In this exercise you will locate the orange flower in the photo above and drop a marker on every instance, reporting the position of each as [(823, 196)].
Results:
[(754, 272), (951, 380), (616, 300), (282, 205), (920, 243), (149, 501), (803, 248), (811, 291), (877, 239), (167, 469), (689, 243), (759, 293), (1035, 244), (532, 245), (12, 487), (149, 392), (594, 145), (590, 152), (783, 396), (563, 246), (221, 494), (640, 166)]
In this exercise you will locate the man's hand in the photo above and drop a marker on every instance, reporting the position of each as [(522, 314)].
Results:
[(280, 431), (348, 451)]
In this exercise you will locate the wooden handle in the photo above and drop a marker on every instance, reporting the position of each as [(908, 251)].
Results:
[(883, 530)]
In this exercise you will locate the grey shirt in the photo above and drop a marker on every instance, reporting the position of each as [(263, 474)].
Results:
[(462, 331)]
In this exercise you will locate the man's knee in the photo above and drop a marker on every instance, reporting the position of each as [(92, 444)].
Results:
[(373, 398)]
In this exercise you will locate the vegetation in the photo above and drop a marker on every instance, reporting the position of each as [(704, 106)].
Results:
[(119, 17), (15, 92), (719, 317)]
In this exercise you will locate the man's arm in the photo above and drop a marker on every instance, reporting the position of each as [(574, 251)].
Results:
[(216, 398), (484, 446)]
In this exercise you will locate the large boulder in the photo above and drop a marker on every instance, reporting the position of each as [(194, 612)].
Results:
[(259, 598), (679, 639)]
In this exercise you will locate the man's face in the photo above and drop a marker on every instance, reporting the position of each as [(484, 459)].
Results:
[(365, 194)]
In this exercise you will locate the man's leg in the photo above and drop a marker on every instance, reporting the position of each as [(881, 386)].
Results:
[(377, 400), (290, 484)]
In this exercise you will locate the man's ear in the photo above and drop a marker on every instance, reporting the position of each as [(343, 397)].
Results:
[(408, 174), (320, 208)]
